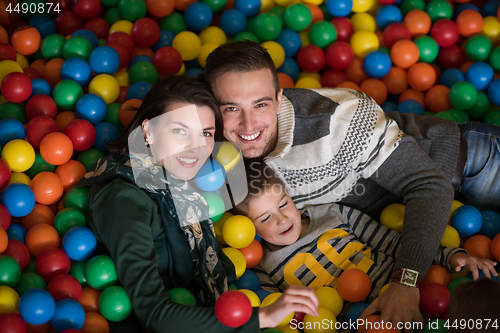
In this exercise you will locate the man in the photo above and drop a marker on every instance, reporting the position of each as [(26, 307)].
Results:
[(337, 145)]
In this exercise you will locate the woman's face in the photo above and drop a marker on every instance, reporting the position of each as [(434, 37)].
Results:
[(182, 138)]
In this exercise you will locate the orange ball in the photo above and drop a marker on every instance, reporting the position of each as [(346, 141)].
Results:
[(349, 85), (44, 328), (52, 71), (64, 118), (142, 51), (479, 246), (56, 148), (4, 240), (437, 98), (495, 247), (252, 253), (421, 76), (70, 173), (316, 12), (413, 94), (436, 274), (4, 36), (183, 4), (355, 71), (469, 22), (26, 40), (41, 237), (48, 187), (39, 65), (376, 89), (396, 80), (465, 66), (90, 299), (128, 110), (404, 53), (363, 327), (95, 323), (41, 214), (418, 22), (160, 8), (354, 285), (285, 81)]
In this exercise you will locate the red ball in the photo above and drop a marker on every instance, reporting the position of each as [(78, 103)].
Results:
[(38, 128), (32, 73), (41, 105), (344, 28), (68, 23), (339, 55), (87, 9), (81, 133), (7, 52), (145, 32), (311, 58), (12, 323), (65, 286), (122, 97), (16, 87), (19, 252), (99, 26), (4, 216), (5, 173), (434, 300), (451, 57), (122, 53), (122, 38), (167, 60), (395, 32), (52, 262), (445, 32), (333, 77), (233, 308)]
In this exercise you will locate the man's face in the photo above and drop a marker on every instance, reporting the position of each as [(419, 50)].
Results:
[(250, 110)]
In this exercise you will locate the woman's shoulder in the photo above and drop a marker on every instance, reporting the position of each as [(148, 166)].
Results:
[(120, 190)]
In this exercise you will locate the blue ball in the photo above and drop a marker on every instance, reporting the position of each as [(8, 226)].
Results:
[(491, 224), (377, 64), (44, 24), (248, 7), (290, 41), (198, 16), (105, 132), (138, 90), (19, 199), (451, 76), (17, 232), (463, 6), (211, 176), (480, 75), (411, 106), (339, 7), (79, 243), (387, 15), (91, 37), (232, 22), (290, 68), (138, 58), (494, 92), (249, 280), (194, 72), (37, 306), (76, 69), (354, 312), (467, 220), (92, 108), (261, 293), (11, 129), (166, 38), (104, 60), (259, 239), (389, 106), (490, 8), (41, 87), (68, 314)]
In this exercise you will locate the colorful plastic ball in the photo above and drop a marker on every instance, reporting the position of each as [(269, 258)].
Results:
[(9, 300), (16, 232), (19, 199), (374, 88), (248, 7), (188, 44), (267, 26), (70, 173), (26, 40), (216, 206), (106, 87), (47, 187), (463, 95), (387, 15), (467, 220), (101, 272), (81, 133), (77, 271), (445, 32), (322, 33), (290, 41), (253, 254), (478, 48), (249, 280), (238, 231), (167, 60), (16, 87), (38, 128), (114, 304), (451, 76), (4, 216), (65, 286), (330, 299), (56, 148), (364, 42), (5, 174), (198, 16), (491, 224), (77, 47), (233, 308), (89, 156), (392, 216), (68, 218), (237, 258), (434, 300), (91, 36), (68, 314), (40, 86), (182, 296), (311, 58), (52, 262), (297, 17), (10, 271), (104, 60), (312, 322), (92, 108), (418, 22), (138, 90), (394, 32), (479, 246), (145, 32), (291, 69), (439, 9), (469, 22), (354, 285), (480, 74), (52, 46), (37, 306), (12, 323), (11, 129), (339, 8), (428, 49), (232, 22), (105, 132), (421, 76), (404, 53), (377, 64), (41, 237), (493, 92), (66, 93)]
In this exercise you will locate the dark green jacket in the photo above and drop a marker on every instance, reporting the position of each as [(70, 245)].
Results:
[(126, 221)]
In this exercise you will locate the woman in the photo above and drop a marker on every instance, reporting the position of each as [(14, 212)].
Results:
[(155, 225)]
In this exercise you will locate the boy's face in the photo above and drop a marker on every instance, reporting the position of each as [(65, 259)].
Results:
[(275, 216)]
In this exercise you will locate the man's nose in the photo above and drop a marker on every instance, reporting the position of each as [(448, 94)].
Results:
[(248, 120)]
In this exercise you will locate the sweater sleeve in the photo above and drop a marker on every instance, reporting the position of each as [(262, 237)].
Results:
[(122, 216), (444, 255)]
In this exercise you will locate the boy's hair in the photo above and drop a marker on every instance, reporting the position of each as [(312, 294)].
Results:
[(479, 299), (260, 178), (239, 57)]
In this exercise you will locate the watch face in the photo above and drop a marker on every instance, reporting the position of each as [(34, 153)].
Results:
[(409, 277)]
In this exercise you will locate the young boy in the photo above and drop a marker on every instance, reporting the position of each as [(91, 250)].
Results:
[(315, 247)]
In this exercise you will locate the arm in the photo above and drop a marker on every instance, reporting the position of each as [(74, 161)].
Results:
[(445, 254)]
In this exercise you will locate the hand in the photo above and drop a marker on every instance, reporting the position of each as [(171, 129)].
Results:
[(460, 260), (399, 303), (294, 299)]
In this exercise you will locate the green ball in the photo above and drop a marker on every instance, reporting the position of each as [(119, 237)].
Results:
[(216, 205), (52, 46), (110, 3), (435, 326), (246, 35), (481, 108), (39, 166), (112, 16), (492, 117), (77, 47), (101, 42), (68, 218), (428, 48), (463, 95), (143, 71), (326, 14), (215, 5), (495, 59), (31, 268), (114, 304), (478, 48), (298, 17), (267, 26), (132, 10), (460, 116), (112, 115), (439, 9), (409, 5), (251, 25), (100, 272), (445, 115), (77, 270), (66, 93), (182, 296), (13, 110), (456, 282), (278, 11), (30, 281), (232, 286), (88, 157), (322, 33), (10, 271), (77, 197), (173, 22)]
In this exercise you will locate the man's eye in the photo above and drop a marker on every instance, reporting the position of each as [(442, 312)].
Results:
[(230, 108), (261, 105)]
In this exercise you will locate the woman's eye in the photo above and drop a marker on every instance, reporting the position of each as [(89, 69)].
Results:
[(178, 131), (207, 134)]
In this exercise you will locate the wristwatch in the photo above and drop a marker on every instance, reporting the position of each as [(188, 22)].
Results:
[(407, 277)]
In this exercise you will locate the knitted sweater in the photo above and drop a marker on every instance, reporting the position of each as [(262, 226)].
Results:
[(337, 145)]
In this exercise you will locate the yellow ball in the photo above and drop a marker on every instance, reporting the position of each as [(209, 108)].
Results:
[(317, 324), (312, 75), (364, 42), (450, 237), (188, 44), (383, 289), (314, 2), (238, 231), (374, 8), (21, 60), (276, 52), (491, 28), (392, 217), (105, 86), (206, 49), (363, 21), (122, 26), (9, 66), (218, 229), (284, 3), (330, 299), (122, 78), (361, 6), (238, 260), (228, 156), (9, 300), (214, 35), (19, 155), (182, 70), (454, 207), (254, 299), (307, 82), (270, 299), (266, 5), (304, 38), (19, 177)]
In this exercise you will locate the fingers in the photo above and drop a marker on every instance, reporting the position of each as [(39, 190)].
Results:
[(487, 267), (473, 269), (301, 299), (371, 309)]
